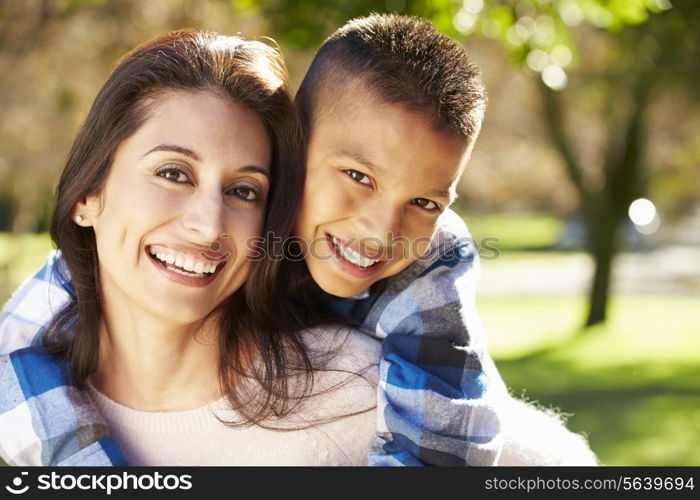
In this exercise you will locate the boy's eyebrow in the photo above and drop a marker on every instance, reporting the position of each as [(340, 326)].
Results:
[(175, 149), (440, 193), (359, 158)]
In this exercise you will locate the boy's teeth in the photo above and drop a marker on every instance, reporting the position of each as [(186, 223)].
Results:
[(352, 256), (184, 262)]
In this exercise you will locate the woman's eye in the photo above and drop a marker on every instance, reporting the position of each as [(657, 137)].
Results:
[(358, 177), (245, 193), (173, 174), (426, 204)]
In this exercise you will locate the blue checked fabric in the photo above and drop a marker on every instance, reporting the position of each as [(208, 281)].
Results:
[(438, 394), (44, 420)]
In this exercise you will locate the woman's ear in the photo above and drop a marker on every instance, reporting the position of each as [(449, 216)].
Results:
[(86, 211)]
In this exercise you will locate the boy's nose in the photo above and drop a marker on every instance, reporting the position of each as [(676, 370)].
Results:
[(381, 225), (203, 218)]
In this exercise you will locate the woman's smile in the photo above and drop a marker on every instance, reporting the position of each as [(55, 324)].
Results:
[(192, 268)]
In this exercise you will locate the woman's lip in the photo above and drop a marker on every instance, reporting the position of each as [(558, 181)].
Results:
[(350, 268), (180, 278), (196, 252)]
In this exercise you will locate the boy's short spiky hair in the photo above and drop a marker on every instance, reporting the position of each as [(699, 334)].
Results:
[(402, 60)]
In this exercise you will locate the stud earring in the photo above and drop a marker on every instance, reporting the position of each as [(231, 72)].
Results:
[(78, 219)]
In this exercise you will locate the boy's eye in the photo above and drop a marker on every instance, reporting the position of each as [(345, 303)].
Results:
[(245, 193), (426, 204), (173, 174), (358, 177)]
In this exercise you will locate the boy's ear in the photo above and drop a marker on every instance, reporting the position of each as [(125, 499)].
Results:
[(86, 211)]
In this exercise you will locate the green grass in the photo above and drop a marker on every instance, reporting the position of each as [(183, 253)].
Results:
[(633, 386), (514, 231)]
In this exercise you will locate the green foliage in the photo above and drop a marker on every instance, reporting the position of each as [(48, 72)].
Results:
[(68, 7), (20, 256), (536, 33)]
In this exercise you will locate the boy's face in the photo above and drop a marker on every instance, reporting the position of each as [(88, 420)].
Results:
[(378, 176)]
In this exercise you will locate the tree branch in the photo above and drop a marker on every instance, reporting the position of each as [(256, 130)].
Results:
[(554, 119)]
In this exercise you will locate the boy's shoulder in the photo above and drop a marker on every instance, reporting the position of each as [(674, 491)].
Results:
[(34, 303), (451, 248)]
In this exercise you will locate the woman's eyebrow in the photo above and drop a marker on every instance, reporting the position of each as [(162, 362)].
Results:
[(188, 152), (255, 169), (176, 149)]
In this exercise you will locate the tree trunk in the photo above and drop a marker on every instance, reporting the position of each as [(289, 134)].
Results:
[(602, 247)]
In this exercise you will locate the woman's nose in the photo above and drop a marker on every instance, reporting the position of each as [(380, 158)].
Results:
[(203, 218)]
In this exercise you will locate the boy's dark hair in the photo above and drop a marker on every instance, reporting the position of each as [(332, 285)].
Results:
[(402, 60)]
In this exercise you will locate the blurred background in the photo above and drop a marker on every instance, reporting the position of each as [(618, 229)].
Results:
[(583, 190)]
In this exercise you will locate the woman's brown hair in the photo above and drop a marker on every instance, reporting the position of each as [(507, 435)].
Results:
[(258, 317)]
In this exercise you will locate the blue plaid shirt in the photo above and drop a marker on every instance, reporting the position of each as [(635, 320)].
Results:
[(439, 392)]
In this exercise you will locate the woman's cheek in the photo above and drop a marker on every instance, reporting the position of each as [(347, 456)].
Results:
[(244, 227)]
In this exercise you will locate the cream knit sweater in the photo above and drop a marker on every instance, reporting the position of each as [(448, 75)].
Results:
[(196, 437)]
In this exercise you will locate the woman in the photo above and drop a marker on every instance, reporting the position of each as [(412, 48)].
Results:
[(189, 153)]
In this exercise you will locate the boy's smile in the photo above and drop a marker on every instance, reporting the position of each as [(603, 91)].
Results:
[(378, 176)]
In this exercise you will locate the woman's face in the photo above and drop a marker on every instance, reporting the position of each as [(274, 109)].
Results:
[(183, 196)]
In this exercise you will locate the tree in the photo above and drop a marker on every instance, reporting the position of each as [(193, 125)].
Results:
[(650, 46)]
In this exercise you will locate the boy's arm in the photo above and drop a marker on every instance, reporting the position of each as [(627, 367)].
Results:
[(44, 419), (34, 303), (439, 392)]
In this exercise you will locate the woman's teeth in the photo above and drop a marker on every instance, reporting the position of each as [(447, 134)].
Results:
[(174, 260), (350, 255)]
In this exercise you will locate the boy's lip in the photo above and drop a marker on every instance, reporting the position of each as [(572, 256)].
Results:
[(354, 245), (353, 269)]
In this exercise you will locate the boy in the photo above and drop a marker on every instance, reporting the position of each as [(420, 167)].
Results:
[(391, 109)]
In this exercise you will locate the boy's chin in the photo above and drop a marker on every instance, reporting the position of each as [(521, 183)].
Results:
[(342, 290), (338, 287)]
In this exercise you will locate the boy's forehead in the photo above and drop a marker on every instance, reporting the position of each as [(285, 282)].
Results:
[(356, 111), (338, 99), (344, 102)]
